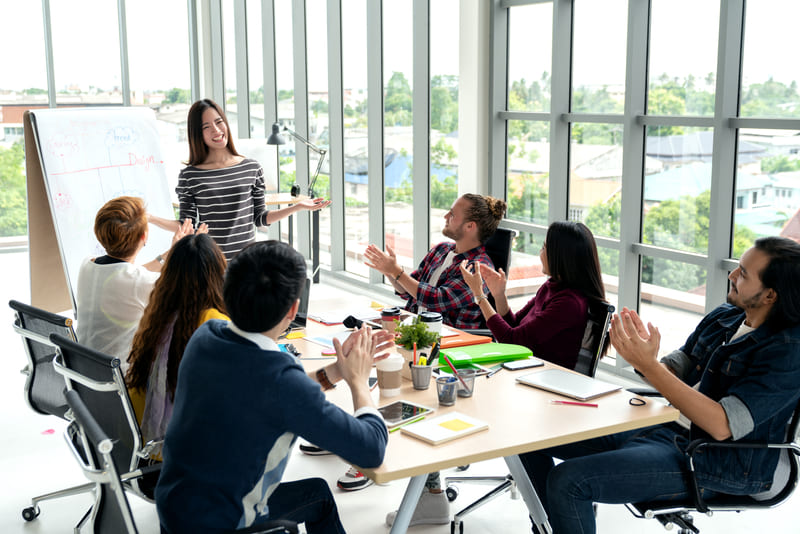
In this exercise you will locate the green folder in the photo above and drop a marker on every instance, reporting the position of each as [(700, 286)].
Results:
[(484, 353)]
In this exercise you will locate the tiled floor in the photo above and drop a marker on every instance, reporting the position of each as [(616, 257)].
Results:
[(34, 459)]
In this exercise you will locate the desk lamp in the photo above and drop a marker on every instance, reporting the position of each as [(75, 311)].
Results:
[(277, 139)]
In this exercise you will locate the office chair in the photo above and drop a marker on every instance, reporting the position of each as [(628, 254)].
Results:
[(113, 511), (44, 388), (593, 347), (678, 513), (98, 379)]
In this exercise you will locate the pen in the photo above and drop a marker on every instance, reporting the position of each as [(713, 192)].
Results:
[(493, 371), (573, 403), (455, 373), (420, 418)]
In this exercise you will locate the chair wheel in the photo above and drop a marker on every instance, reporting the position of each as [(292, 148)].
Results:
[(453, 528), (452, 493), (462, 467), (30, 513)]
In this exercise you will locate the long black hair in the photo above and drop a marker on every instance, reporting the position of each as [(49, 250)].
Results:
[(572, 258)]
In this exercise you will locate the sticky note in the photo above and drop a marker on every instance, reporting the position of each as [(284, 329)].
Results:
[(295, 335), (456, 425)]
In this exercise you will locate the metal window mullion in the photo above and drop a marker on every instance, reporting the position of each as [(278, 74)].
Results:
[(421, 128), (336, 134), (217, 55), (375, 164), (48, 54), (125, 72), (523, 115), (498, 101), (597, 118), (633, 143), (242, 81), (558, 193), (665, 120), (772, 124), (300, 64), (194, 50), (723, 159)]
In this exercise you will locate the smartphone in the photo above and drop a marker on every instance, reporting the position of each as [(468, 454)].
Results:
[(373, 381), (523, 364)]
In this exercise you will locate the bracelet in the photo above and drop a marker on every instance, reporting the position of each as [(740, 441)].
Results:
[(324, 381), (396, 278), (481, 297)]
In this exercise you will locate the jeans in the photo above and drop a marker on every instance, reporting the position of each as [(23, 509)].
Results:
[(634, 466), (306, 501)]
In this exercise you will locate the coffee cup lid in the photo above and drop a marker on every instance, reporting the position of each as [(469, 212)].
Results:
[(394, 310), (430, 317)]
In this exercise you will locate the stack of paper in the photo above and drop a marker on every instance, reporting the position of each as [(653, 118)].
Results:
[(445, 427)]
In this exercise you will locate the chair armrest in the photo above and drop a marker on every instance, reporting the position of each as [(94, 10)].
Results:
[(697, 444)]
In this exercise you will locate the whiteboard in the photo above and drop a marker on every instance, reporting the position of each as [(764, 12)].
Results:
[(89, 156)]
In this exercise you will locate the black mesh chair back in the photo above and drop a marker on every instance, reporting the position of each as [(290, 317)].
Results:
[(44, 388), (98, 379), (595, 337), (498, 248), (112, 512)]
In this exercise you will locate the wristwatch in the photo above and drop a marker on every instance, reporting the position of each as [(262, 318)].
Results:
[(479, 298)]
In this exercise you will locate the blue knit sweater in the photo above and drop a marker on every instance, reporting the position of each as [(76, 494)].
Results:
[(238, 410)]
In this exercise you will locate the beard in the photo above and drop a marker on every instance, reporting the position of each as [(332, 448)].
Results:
[(745, 303), (453, 233)]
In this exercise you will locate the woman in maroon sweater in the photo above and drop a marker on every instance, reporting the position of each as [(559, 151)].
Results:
[(552, 323)]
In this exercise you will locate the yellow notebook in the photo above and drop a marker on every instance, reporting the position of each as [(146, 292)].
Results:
[(444, 428)]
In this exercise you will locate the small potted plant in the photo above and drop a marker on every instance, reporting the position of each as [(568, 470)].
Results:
[(406, 334)]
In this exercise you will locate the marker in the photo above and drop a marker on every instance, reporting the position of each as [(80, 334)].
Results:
[(494, 370), (420, 418), (422, 361), (572, 403)]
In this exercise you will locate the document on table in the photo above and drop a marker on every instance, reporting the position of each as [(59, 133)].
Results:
[(327, 341), (337, 317), (445, 427)]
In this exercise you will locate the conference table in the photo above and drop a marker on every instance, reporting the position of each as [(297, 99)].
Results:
[(521, 419)]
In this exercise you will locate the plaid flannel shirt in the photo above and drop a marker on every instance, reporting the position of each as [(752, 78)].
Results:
[(451, 296)]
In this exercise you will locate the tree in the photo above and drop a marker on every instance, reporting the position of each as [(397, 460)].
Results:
[(398, 94), (776, 164), (13, 208), (177, 95)]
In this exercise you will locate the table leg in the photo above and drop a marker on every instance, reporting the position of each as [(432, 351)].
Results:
[(408, 504), (535, 508), (315, 246)]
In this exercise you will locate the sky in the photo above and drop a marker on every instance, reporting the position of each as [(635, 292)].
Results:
[(86, 47)]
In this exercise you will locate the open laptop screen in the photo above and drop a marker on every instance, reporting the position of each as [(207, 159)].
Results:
[(302, 311)]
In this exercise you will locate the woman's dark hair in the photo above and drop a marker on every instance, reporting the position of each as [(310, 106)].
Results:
[(262, 283), (783, 276), (198, 151), (486, 212), (190, 283), (572, 258)]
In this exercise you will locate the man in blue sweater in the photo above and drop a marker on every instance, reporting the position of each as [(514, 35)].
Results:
[(240, 404)]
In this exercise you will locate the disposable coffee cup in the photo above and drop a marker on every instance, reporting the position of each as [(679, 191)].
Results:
[(421, 376), (432, 321), (390, 376), (388, 318)]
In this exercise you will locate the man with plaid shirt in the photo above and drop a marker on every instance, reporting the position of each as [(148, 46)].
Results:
[(437, 284)]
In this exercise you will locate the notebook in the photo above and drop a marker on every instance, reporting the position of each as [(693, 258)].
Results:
[(444, 428), (567, 383), (299, 320), (459, 338), (485, 353)]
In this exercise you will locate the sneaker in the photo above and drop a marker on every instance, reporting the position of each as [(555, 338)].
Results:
[(312, 450), (432, 509), (353, 480)]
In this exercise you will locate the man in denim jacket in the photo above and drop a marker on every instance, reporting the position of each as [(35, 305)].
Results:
[(737, 378)]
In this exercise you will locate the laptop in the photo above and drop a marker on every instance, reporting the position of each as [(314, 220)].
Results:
[(300, 319), (576, 386)]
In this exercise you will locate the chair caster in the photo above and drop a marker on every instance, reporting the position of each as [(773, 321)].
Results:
[(453, 527), (462, 467), (452, 493), (30, 513)]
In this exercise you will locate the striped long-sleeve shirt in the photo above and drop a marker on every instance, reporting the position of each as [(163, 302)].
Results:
[(229, 200)]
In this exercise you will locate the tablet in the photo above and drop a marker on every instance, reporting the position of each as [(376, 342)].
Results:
[(402, 411)]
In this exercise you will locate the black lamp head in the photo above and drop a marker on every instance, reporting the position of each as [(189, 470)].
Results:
[(276, 138)]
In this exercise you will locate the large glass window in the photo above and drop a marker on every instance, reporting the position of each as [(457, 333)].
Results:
[(23, 76), (530, 28), (86, 53), (397, 129), (284, 75), (528, 171), (444, 45), (683, 57), (598, 62), (769, 81), (356, 149), (767, 194)]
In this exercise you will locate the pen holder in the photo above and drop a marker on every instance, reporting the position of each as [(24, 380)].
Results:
[(421, 376), (446, 387), (466, 388), (408, 355)]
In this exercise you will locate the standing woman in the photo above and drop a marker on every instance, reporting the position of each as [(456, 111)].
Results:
[(222, 188), (552, 323), (188, 293)]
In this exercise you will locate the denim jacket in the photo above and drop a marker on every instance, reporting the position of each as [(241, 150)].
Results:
[(756, 378)]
